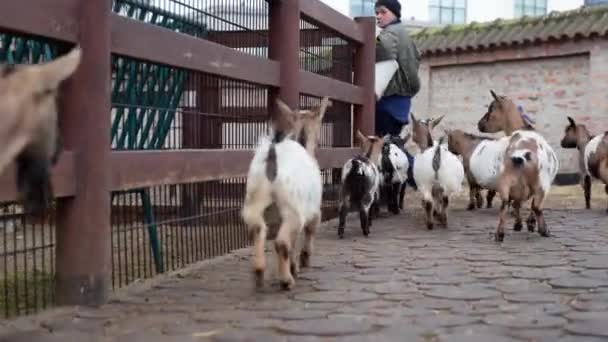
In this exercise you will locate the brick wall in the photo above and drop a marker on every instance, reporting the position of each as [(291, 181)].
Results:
[(550, 81)]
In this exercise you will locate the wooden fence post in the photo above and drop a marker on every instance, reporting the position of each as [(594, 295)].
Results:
[(365, 59), (83, 259), (284, 46)]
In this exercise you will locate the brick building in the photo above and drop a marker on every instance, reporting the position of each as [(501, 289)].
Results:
[(554, 66)]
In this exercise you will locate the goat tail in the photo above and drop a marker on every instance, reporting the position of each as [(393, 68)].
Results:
[(437, 161), (519, 158), (34, 182)]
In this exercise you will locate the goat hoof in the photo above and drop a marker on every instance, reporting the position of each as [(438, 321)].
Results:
[(499, 237), (259, 278), (304, 259), (518, 226), (531, 224), (544, 232), (341, 233), (287, 285), (471, 207), (429, 226)]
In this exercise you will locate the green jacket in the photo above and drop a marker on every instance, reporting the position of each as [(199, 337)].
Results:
[(394, 42)]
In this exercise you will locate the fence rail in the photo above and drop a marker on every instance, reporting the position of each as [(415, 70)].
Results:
[(152, 177)]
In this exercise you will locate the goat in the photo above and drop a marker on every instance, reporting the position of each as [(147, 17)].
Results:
[(360, 183), (438, 172), (285, 173), (593, 155), (528, 168), (393, 166), (480, 157), (29, 130)]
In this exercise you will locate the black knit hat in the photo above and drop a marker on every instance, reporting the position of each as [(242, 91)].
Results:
[(392, 5)]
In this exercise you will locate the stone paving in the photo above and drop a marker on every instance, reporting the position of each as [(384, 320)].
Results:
[(403, 283)]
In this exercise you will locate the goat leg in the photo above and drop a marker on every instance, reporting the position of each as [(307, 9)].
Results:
[(364, 218), (393, 198), (253, 215), (537, 208), (309, 236), (402, 194), (428, 208), (472, 188), (500, 229), (587, 190), (342, 219), (478, 197), (531, 221), (606, 189), (490, 198), (518, 226)]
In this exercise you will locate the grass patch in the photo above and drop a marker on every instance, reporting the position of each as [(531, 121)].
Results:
[(25, 293)]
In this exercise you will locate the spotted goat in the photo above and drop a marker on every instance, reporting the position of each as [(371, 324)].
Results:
[(29, 131), (438, 173), (593, 155), (361, 183), (285, 173), (393, 165), (481, 158), (528, 167)]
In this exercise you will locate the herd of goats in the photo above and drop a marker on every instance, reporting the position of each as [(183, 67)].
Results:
[(519, 167), (284, 172)]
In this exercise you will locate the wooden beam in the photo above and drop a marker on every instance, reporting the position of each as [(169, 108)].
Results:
[(55, 19), (156, 44), (322, 15), (318, 85), (62, 178), (135, 169)]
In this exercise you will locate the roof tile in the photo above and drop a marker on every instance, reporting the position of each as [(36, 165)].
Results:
[(583, 22)]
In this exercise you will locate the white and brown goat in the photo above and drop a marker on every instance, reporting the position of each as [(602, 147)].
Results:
[(29, 132), (361, 183), (286, 174), (527, 169), (475, 151), (438, 173), (593, 155)]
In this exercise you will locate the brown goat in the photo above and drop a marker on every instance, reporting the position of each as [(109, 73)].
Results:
[(593, 155), (29, 133), (529, 165), (463, 144)]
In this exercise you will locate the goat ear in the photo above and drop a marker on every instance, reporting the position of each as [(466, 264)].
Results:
[(435, 122), (325, 103), (51, 74), (283, 107), (285, 118), (494, 95), (414, 120), (362, 138), (572, 123)]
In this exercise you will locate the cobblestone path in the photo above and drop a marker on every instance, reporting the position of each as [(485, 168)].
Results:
[(403, 283)]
